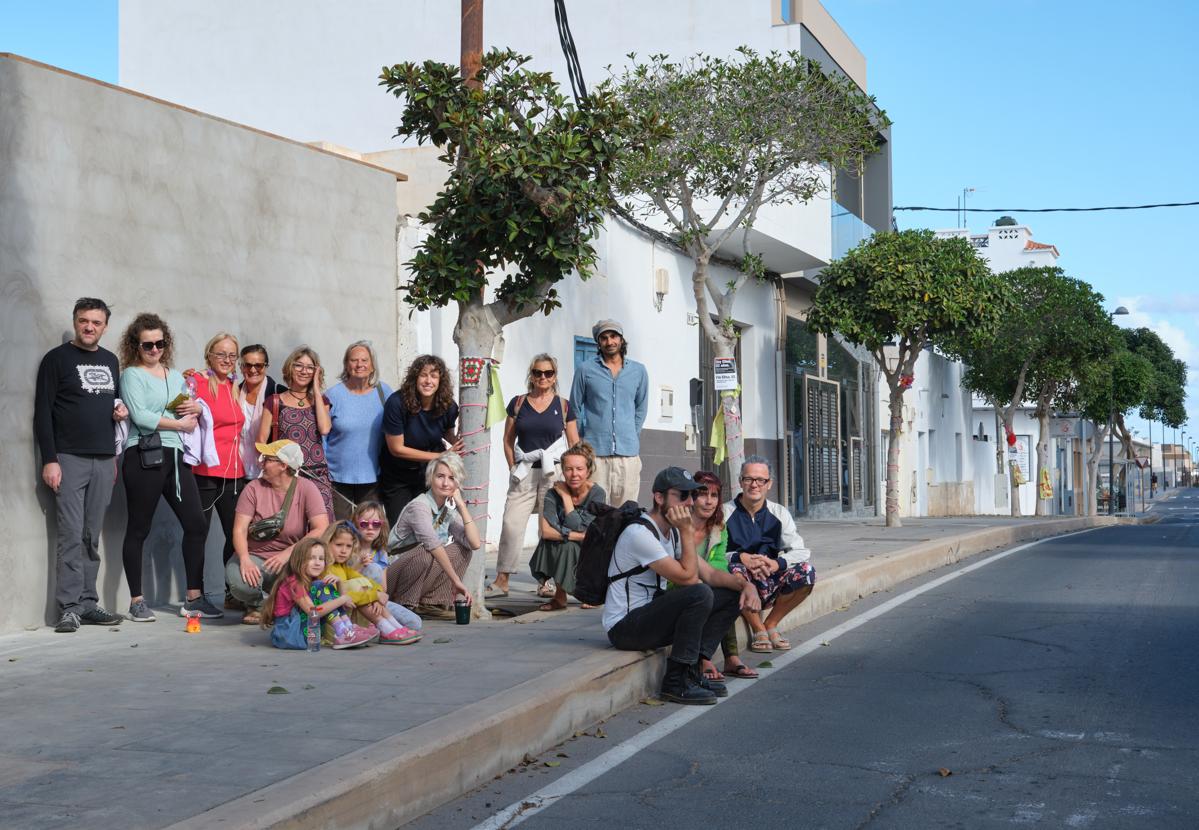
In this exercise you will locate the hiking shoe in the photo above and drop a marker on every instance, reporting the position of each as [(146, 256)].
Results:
[(200, 605), (98, 616), (400, 637), (68, 623), (140, 612), (678, 688)]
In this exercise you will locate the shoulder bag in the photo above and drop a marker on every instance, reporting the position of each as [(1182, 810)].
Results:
[(266, 529), (149, 446)]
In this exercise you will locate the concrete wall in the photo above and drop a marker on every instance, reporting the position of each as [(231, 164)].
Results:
[(153, 207)]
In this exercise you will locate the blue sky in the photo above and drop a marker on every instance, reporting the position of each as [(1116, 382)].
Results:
[(1032, 103)]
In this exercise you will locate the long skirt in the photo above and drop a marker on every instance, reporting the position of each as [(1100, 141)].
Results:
[(557, 561), (415, 578)]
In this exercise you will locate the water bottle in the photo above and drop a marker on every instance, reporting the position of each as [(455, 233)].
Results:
[(314, 632)]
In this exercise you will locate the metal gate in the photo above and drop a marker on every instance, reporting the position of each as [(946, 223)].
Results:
[(823, 456)]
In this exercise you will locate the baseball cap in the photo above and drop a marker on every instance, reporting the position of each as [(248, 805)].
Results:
[(606, 325), (288, 452), (675, 478)]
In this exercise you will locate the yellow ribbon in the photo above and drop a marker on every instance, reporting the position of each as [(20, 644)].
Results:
[(718, 441), (495, 399)]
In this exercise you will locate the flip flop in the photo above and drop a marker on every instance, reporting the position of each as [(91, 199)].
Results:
[(549, 606), (761, 643), (777, 640), (741, 671), (713, 674)]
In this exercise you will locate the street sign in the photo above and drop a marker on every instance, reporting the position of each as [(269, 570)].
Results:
[(724, 370), (1063, 428)]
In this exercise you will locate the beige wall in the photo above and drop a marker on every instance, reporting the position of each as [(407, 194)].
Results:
[(153, 207)]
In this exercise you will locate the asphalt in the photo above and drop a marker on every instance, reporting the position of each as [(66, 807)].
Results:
[(1054, 687), (144, 726)]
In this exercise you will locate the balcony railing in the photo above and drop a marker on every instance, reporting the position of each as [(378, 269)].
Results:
[(848, 230)]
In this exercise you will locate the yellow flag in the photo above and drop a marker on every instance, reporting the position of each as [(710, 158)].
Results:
[(1045, 486), (716, 442), (495, 400)]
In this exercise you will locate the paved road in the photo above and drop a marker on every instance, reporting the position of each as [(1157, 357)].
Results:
[(1057, 686)]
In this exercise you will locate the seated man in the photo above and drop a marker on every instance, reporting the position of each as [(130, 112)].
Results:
[(693, 618), (765, 549)]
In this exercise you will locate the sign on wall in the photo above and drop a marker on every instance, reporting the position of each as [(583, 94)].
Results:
[(1020, 453), (1063, 427)]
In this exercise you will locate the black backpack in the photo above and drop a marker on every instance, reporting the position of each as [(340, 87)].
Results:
[(595, 554)]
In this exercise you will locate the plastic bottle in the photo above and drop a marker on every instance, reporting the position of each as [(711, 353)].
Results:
[(314, 632)]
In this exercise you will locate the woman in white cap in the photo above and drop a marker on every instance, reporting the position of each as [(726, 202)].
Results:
[(274, 512)]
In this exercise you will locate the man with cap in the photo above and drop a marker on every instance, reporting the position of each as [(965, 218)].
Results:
[(694, 617), (610, 397), (261, 557)]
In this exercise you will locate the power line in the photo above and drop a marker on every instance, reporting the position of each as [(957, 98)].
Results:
[(573, 70), (1047, 210)]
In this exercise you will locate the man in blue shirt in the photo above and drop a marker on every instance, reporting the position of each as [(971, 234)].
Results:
[(610, 396)]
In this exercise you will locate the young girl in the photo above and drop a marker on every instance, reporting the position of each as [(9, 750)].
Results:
[(366, 596), (291, 608), (370, 556)]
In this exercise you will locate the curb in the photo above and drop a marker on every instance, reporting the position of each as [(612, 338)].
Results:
[(404, 776)]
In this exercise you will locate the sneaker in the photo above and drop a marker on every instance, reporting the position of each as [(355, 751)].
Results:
[(201, 605), (354, 638), (678, 688), (400, 637), (98, 616), (68, 624), (140, 612)]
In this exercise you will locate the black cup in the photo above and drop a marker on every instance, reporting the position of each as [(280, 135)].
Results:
[(461, 612)]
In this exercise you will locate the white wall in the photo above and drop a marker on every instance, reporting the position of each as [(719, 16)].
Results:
[(309, 70), (151, 207)]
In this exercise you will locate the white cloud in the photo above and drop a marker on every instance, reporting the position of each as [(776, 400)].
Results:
[(1182, 303), (1175, 336)]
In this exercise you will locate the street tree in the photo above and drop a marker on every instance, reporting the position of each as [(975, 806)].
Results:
[(742, 133), (528, 180), (907, 290), (1055, 326)]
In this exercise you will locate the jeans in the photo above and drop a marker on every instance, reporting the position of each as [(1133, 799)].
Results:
[(691, 619)]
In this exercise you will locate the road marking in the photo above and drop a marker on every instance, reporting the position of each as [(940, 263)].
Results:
[(553, 792)]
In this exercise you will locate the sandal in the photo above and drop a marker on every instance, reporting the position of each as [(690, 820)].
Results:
[(740, 671), (761, 643), (712, 674), (545, 590), (492, 592), (778, 640), (549, 606)]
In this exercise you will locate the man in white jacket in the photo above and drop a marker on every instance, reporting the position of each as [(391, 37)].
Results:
[(765, 549)]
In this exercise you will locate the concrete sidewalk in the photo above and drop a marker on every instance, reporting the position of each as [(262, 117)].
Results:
[(144, 726)]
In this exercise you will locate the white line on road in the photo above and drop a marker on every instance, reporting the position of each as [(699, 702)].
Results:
[(550, 794)]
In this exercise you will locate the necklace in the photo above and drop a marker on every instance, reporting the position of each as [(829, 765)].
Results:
[(301, 400)]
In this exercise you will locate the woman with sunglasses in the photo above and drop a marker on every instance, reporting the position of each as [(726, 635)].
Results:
[(255, 387), (148, 386), (300, 413), (540, 427)]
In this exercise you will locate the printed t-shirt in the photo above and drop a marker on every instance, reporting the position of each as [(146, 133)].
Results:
[(538, 430), (421, 430), (637, 545), (260, 501), (76, 392)]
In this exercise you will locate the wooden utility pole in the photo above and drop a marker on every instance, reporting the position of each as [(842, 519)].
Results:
[(472, 41)]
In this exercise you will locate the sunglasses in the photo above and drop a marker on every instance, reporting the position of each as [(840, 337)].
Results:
[(371, 523), (688, 496), (543, 373), (152, 345), (253, 367)]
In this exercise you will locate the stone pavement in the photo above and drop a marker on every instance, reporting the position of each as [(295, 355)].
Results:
[(143, 726)]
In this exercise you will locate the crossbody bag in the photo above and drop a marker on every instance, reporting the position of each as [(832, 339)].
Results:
[(266, 529), (149, 446)]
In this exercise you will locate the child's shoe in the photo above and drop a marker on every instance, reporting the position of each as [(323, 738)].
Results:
[(372, 631), (400, 637), (353, 638)]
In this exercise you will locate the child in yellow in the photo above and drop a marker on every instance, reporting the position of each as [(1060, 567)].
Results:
[(365, 595)]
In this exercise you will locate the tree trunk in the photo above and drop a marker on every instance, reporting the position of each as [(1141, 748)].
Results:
[(895, 404), (1044, 506), (1013, 467), (1092, 459), (477, 333), (734, 434)]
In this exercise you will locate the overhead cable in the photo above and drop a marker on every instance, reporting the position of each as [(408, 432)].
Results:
[(1047, 210)]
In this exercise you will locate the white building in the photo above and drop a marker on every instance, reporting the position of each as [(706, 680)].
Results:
[(315, 80)]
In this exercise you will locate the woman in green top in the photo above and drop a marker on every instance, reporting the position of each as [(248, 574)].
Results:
[(148, 385), (711, 544)]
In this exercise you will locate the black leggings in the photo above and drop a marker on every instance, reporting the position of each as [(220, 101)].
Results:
[(219, 496), (142, 489), (395, 493)]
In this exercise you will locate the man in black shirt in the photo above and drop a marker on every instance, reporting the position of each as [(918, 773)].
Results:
[(73, 414)]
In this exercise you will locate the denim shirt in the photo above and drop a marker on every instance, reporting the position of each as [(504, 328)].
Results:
[(611, 410)]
